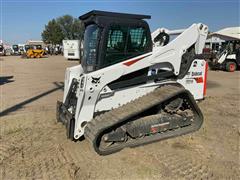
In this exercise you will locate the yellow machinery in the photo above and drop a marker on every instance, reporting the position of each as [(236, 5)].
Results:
[(35, 51)]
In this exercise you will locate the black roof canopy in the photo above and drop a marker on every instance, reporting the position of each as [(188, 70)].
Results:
[(113, 14)]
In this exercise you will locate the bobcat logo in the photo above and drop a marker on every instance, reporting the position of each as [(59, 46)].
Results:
[(96, 80)]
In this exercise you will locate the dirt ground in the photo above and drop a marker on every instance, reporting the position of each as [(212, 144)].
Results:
[(34, 146)]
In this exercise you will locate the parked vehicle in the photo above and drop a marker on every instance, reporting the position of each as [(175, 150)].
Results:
[(2, 50), (15, 49), (132, 87), (71, 49), (34, 51), (227, 56)]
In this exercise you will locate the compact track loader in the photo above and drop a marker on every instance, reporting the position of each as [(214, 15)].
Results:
[(228, 59), (131, 86)]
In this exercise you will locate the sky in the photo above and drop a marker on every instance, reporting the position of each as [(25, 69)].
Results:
[(22, 20)]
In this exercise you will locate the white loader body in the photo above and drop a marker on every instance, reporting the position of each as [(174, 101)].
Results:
[(94, 95)]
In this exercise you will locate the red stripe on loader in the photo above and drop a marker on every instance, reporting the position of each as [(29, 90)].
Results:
[(129, 63), (205, 80)]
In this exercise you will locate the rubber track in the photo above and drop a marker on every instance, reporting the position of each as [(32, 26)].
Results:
[(99, 124)]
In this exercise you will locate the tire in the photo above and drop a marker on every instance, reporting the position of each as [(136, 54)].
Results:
[(231, 66)]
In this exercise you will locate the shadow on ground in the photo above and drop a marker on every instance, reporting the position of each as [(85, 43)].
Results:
[(6, 79), (59, 85), (212, 84)]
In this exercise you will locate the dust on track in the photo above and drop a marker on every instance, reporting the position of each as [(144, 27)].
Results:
[(34, 146)]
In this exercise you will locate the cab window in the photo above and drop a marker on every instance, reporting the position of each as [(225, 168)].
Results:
[(124, 42), (137, 40), (117, 38)]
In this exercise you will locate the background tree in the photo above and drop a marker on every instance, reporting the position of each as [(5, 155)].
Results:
[(64, 27), (52, 33)]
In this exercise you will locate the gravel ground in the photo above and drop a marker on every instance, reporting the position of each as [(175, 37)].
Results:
[(34, 146)]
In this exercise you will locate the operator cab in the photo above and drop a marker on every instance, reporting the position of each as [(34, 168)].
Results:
[(110, 38), (26, 47), (38, 46), (21, 49), (15, 48), (1, 47), (2, 50)]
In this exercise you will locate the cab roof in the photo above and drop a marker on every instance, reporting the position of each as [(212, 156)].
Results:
[(113, 14)]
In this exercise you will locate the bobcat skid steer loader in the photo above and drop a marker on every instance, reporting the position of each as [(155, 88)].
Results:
[(131, 86)]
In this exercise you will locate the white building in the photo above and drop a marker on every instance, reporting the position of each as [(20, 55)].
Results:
[(218, 39), (35, 42)]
